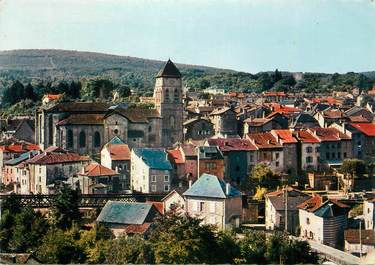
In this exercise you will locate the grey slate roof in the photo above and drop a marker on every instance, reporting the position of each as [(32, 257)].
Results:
[(155, 158), (210, 186), (126, 213), (21, 158), (294, 199), (169, 70)]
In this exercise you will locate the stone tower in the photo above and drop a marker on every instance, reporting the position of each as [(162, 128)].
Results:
[(168, 101)]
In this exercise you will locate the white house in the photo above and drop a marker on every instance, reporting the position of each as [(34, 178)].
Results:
[(150, 170), (369, 213)]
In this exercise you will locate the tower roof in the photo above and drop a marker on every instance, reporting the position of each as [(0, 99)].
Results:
[(169, 70)]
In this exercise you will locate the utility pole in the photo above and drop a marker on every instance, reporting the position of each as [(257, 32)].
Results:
[(360, 238), (286, 207)]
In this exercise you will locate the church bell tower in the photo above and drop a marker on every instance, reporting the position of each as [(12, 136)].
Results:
[(168, 101)]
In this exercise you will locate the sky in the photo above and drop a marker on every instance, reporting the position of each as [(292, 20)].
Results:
[(245, 35)]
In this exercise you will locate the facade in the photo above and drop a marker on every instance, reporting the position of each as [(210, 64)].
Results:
[(224, 121), (363, 140), (308, 151), (211, 161), (323, 222), (359, 242), (198, 129), (150, 170), (116, 155), (280, 202), (174, 201), (369, 213), (84, 127), (214, 201)]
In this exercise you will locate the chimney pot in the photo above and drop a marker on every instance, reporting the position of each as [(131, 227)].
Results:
[(190, 183), (227, 189)]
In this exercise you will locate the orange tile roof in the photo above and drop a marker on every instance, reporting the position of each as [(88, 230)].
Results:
[(19, 148), (366, 128), (285, 136), (95, 170), (328, 134), (119, 151), (137, 228), (52, 96), (176, 155), (359, 119), (57, 158), (263, 140), (232, 144), (333, 114), (306, 137), (311, 204)]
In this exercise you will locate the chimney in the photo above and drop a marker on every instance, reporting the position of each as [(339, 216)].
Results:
[(190, 183), (227, 189), (116, 169), (83, 170)]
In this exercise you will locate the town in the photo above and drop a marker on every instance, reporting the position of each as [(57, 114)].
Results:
[(295, 163)]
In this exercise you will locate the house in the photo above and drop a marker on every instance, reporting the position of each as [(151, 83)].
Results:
[(48, 98), (214, 201), (116, 155), (304, 120), (190, 152), (211, 161), (323, 221), (273, 121), (17, 173), (308, 151), (178, 162), (239, 157), (290, 155), (335, 146), (224, 121), (150, 170), (322, 181), (270, 151), (281, 203), (128, 217), (198, 129), (369, 213), (175, 200), (363, 140), (97, 179), (52, 166), (357, 242), (21, 128), (329, 116)]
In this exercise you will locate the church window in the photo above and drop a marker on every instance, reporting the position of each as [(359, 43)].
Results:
[(171, 122), (82, 139), (115, 131), (166, 95), (69, 139), (176, 95), (97, 139)]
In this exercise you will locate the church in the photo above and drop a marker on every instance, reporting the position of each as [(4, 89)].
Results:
[(84, 127)]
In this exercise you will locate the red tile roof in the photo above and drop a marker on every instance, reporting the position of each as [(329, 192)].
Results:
[(333, 114), (284, 109), (328, 134), (90, 119), (306, 137), (96, 170), (57, 158), (285, 136), (263, 140), (19, 148), (256, 121), (311, 204), (137, 229), (367, 236), (232, 144), (52, 96), (119, 151), (366, 128), (359, 119), (274, 94), (176, 156)]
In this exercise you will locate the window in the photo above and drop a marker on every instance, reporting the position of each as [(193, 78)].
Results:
[(149, 128), (166, 187), (339, 155), (153, 188), (317, 149), (201, 206), (69, 139), (309, 159), (327, 155), (115, 131), (171, 122), (308, 221), (166, 95), (176, 95), (277, 164), (97, 140), (344, 154), (166, 178), (82, 139), (277, 155), (251, 158), (153, 178), (309, 149)]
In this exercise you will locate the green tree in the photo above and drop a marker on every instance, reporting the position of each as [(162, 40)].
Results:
[(29, 227), (29, 92), (353, 167), (65, 209), (263, 176), (183, 239), (253, 248)]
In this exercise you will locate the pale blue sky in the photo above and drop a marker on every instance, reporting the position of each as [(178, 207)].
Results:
[(248, 35)]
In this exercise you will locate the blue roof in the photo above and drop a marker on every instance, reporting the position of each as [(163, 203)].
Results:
[(21, 158), (155, 158), (211, 186), (330, 209), (117, 212), (116, 140)]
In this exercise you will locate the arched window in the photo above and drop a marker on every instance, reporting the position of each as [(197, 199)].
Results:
[(69, 139), (171, 121), (82, 139), (97, 140), (166, 95), (149, 128), (176, 95)]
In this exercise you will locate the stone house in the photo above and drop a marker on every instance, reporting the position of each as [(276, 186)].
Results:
[(116, 155), (308, 151), (214, 201), (282, 202), (239, 157), (369, 213), (177, 159), (151, 170), (52, 166), (198, 129), (363, 140), (356, 243), (323, 222), (19, 128), (191, 160), (175, 200), (224, 121)]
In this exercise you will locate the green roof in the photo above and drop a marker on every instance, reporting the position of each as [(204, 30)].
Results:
[(211, 186), (116, 140), (117, 212), (155, 158)]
